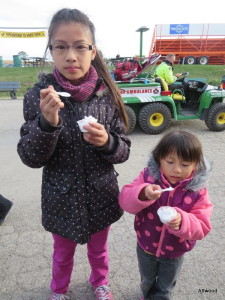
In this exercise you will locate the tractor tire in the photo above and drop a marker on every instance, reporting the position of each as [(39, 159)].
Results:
[(132, 119), (215, 119), (154, 118), (189, 60), (202, 60)]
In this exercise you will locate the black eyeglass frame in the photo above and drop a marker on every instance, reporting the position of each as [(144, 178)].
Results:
[(90, 47)]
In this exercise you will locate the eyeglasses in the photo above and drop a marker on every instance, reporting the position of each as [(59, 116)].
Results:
[(61, 48)]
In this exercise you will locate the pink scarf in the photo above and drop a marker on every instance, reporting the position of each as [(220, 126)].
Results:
[(85, 88)]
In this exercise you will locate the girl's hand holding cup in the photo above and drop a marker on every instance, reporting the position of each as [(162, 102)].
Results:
[(169, 216), (50, 103), (176, 222), (96, 134)]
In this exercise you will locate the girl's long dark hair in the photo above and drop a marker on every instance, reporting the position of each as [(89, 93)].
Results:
[(66, 15), (184, 144)]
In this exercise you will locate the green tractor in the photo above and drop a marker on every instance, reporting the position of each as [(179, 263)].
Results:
[(149, 102)]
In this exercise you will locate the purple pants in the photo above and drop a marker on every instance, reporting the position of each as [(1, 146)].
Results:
[(63, 259)]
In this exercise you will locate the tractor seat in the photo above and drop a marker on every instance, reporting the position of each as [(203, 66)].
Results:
[(177, 95)]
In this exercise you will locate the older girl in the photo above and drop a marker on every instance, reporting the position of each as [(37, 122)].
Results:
[(79, 187)]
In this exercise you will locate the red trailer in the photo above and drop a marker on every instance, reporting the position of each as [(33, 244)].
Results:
[(191, 43)]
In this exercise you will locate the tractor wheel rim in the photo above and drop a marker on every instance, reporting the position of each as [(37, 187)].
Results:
[(156, 119), (221, 119)]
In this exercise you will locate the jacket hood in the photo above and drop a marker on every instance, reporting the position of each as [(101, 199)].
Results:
[(197, 182), (168, 63)]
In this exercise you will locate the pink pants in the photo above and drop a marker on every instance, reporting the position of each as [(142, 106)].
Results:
[(63, 259)]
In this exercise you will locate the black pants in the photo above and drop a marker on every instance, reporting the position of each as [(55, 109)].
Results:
[(158, 275)]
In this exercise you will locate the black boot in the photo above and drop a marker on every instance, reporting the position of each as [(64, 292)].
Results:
[(5, 206)]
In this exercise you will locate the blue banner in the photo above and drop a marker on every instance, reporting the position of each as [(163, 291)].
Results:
[(179, 28)]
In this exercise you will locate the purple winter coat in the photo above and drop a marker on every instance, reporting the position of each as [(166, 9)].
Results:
[(189, 198)]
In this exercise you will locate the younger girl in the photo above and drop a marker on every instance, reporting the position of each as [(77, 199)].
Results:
[(177, 162), (79, 186)]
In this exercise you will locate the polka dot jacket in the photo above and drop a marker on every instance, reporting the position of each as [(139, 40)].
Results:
[(79, 182), (189, 197)]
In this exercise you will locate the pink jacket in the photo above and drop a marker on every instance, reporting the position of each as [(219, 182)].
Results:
[(189, 197)]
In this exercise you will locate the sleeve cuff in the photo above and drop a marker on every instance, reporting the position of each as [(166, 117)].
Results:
[(110, 146), (47, 127)]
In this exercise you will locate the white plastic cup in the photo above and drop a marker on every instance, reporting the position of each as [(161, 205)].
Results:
[(86, 121), (166, 213)]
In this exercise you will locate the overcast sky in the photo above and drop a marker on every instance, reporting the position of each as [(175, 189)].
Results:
[(116, 21)]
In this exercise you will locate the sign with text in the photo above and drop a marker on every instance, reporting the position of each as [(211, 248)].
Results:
[(179, 28), (6, 34), (215, 29)]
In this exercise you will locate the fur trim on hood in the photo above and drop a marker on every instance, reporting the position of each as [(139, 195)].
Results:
[(199, 180), (103, 91)]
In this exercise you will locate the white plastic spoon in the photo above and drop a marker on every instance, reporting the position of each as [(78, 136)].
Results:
[(167, 189), (63, 94)]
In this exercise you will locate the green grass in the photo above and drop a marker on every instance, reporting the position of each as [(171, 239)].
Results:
[(29, 76), (212, 74)]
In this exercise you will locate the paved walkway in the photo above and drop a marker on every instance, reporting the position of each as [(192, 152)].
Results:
[(26, 248)]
